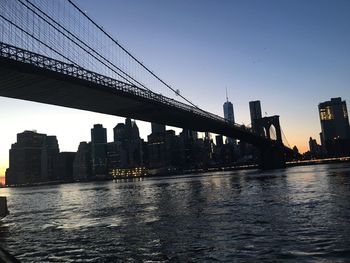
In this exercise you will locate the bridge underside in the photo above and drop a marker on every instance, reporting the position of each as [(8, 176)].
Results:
[(27, 82), (23, 81)]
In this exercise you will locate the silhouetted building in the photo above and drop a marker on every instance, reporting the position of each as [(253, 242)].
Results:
[(229, 116), (49, 155), (315, 149), (296, 153), (189, 135), (255, 114), (219, 140), (158, 128), (82, 167), (165, 150), (65, 166), (124, 155), (335, 136), (198, 153), (26, 159), (98, 150)]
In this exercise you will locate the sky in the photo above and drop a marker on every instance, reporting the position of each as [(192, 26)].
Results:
[(290, 55)]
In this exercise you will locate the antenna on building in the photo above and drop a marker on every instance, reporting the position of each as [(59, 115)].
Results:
[(226, 95)]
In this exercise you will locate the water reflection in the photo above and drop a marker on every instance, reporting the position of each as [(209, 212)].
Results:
[(294, 214)]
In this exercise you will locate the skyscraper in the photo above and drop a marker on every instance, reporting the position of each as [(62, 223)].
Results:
[(82, 162), (315, 150), (255, 114), (228, 112), (158, 128), (335, 136), (125, 153), (98, 150), (229, 116), (49, 155), (32, 158)]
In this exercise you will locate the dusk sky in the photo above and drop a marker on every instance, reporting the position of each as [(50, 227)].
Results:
[(290, 55)]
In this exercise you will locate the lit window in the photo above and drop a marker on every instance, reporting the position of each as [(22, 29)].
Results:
[(326, 113), (345, 112)]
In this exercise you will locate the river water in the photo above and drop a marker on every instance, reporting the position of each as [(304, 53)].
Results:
[(291, 215)]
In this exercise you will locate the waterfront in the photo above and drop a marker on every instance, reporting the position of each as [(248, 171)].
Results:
[(294, 214)]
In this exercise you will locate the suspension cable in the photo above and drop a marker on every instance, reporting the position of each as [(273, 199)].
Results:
[(77, 44), (41, 42), (133, 57)]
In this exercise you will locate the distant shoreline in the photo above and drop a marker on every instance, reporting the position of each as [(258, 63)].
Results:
[(197, 171)]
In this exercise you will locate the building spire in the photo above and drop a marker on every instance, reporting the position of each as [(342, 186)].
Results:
[(226, 95)]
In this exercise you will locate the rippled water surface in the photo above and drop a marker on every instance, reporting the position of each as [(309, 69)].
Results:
[(296, 214)]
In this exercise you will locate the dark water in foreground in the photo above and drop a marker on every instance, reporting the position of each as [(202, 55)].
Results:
[(296, 214)]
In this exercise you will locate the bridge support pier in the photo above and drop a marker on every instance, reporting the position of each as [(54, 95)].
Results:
[(272, 157)]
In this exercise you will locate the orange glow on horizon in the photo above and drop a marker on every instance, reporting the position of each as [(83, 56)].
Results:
[(2, 171)]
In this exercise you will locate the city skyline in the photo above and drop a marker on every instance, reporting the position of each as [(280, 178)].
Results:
[(308, 63)]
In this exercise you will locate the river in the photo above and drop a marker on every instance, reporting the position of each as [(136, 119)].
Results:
[(291, 215)]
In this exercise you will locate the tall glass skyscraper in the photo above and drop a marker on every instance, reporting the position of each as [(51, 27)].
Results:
[(229, 116), (228, 112)]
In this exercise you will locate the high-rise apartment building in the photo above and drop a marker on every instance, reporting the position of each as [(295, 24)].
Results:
[(335, 135)]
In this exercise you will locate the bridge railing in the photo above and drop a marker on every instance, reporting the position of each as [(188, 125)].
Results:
[(25, 56)]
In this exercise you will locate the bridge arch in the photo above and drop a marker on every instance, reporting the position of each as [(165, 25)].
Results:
[(273, 135), (271, 127)]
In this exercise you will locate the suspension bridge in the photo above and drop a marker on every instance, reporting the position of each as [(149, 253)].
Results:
[(53, 52)]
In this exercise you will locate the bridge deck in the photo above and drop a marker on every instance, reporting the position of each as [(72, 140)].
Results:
[(29, 76)]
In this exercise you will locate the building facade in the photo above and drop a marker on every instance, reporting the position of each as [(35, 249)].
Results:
[(255, 114), (229, 116), (33, 159), (125, 155), (98, 150), (335, 129), (82, 164), (158, 128)]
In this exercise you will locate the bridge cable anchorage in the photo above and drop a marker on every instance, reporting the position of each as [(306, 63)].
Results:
[(83, 43), (133, 57)]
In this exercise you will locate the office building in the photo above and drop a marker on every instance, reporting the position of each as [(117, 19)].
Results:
[(335, 135), (255, 114), (82, 167), (315, 149), (32, 159), (165, 150), (229, 116), (124, 155), (98, 150), (158, 128), (65, 166), (49, 155), (219, 140)]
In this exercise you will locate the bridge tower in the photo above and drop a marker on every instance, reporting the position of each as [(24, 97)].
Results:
[(271, 155)]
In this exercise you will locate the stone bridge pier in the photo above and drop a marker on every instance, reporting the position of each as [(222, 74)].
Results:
[(271, 155)]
